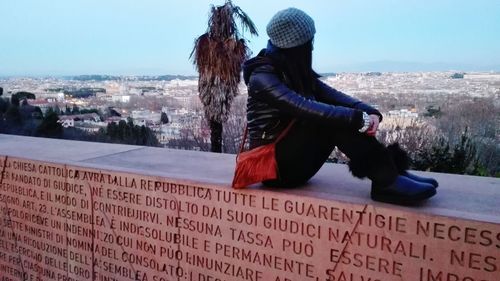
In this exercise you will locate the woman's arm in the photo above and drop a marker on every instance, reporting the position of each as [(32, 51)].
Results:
[(266, 86), (327, 94)]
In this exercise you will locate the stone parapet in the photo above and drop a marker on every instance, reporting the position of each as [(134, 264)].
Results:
[(74, 210)]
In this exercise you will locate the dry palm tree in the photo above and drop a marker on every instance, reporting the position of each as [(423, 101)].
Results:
[(218, 55)]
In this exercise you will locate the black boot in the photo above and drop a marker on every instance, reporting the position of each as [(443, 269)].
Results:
[(401, 160), (403, 191), (414, 177), (375, 161)]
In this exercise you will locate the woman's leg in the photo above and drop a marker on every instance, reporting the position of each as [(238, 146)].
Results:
[(301, 153), (369, 158), (307, 146)]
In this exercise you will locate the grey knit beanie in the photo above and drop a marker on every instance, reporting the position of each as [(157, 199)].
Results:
[(290, 28)]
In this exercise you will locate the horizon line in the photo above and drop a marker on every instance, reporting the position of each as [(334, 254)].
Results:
[(492, 71)]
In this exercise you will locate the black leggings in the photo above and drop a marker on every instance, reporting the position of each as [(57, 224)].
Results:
[(306, 147)]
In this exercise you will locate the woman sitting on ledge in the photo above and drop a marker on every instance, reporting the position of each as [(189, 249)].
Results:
[(283, 87)]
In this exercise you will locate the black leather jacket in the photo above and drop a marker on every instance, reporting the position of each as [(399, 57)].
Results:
[(272, 104)]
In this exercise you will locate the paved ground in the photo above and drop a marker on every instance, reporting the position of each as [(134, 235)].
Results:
[(460, 196)]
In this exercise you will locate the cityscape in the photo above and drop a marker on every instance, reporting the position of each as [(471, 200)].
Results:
[(399, 96), (419, 108)]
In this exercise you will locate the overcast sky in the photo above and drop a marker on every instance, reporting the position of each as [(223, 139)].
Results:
[(69, 37)]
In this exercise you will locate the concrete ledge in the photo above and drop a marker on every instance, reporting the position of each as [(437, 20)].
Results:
[(458, 195), (327, 230)]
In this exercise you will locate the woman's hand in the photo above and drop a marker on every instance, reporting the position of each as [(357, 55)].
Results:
[(374, 121)]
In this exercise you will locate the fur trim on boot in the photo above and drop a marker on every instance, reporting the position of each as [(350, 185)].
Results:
[(402, 162), (374, 162), (400, 157)]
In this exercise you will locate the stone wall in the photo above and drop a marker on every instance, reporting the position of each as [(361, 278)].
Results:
[(70, 222)]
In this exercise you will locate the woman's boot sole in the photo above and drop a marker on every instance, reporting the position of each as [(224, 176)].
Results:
[(399, 200)]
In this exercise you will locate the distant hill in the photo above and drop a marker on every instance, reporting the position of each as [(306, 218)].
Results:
[(327, 74), (402, 66), (129, 78)]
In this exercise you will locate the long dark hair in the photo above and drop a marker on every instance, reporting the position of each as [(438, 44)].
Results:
[(296, 64)]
